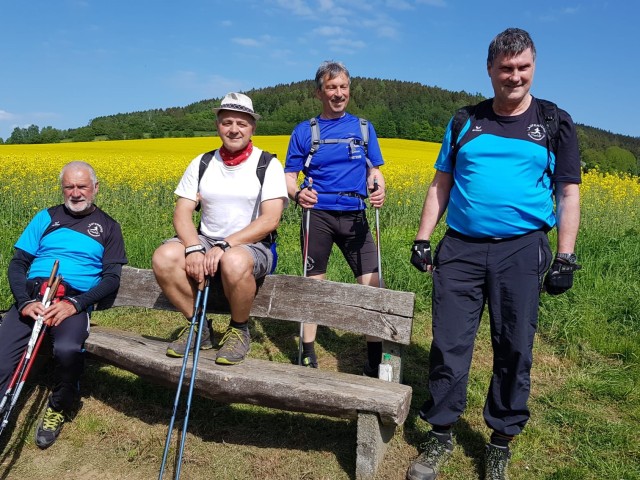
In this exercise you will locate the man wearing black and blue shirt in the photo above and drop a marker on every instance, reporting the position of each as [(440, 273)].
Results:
[(338, 176), (89, 246), (497, 181)]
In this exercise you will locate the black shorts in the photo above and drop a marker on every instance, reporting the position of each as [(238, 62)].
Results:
[(349, 230)]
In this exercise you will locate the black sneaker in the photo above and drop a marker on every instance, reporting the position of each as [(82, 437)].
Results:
[(234, 346), (310, 361), (179, 345), (434, 454), (369, 371), (49, 428), (496, 461)]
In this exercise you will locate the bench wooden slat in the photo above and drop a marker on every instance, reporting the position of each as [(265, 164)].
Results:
[(258, 382), (384, 313)]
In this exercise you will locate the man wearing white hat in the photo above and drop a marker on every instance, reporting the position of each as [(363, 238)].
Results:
[(240, 212)]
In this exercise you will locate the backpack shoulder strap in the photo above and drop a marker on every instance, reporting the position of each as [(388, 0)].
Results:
[(261, 170), (457, 124), (549, 112), (315, 140), (263, 163), (204, 163), (364, 132)]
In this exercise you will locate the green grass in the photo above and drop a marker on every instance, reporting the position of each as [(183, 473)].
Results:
[(585, 398)]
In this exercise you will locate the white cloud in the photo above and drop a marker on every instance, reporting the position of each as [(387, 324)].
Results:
[(554, 16), (203, 85), (398, 4), (346, 46), (297, 7), (246, 42), (434, 3), (252, 42), (6, 116), (328, 31)]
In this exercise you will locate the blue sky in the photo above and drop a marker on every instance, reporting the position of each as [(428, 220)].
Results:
[(64, 62)]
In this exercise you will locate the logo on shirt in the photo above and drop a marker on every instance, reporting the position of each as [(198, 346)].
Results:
[(536, 132), (95, 229), (477, 128), (55, 224)]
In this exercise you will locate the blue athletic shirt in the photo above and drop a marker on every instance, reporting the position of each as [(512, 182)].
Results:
[(83, 244), (334, 169), (501, 188)]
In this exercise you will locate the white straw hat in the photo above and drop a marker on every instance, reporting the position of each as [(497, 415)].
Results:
[(237, 102)]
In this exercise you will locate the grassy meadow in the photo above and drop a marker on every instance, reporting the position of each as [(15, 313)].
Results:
[(585, 399)]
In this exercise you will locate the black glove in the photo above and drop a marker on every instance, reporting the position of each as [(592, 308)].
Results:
[(559, 278), (421, 255)]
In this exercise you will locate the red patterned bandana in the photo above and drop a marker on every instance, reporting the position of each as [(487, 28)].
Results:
[(231, 159)]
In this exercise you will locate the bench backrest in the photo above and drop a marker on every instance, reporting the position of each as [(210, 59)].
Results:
[(387, 314)]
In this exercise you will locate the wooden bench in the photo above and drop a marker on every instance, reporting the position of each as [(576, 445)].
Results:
[(378, 406)]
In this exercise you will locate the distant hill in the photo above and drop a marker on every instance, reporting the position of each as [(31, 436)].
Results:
[(397, 109)]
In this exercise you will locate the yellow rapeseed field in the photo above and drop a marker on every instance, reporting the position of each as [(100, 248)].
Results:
[(144, 165), (139, 163)]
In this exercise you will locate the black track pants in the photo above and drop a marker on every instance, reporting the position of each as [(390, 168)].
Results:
[(68, 341), (507, 276)]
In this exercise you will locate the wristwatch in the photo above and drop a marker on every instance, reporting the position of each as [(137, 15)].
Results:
[(222, 244), (570, 258), (194, 248)]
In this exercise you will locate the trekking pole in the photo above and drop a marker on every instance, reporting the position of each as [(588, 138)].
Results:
[(34, 334), (305, 253), (21, 373), (198, 305), (196, 356), (375, 187)]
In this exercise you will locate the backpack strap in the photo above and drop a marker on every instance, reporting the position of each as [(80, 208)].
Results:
[(316, 141), (364, 131), (204, 163), (263, 163), (549, 112), (457, 124), (261, 170)]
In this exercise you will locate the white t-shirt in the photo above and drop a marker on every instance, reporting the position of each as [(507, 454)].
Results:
[(228, 195)]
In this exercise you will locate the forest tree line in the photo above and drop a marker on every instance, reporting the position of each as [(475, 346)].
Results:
[(397, 109)]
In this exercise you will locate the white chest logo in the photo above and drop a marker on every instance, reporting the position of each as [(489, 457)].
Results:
[(536, 132), (95, 229)]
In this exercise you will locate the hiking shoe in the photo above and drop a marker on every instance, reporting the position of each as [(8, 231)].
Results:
[(49, 428), (434, 454), (234, 346), (179, 345), (496, 461), (369, 371), (310, 361)]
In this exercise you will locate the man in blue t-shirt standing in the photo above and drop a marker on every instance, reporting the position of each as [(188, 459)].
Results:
[(339, 174), (497, 180), (89, 247)]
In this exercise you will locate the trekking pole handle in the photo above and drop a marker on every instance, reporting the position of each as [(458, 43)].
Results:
[(54, 272)]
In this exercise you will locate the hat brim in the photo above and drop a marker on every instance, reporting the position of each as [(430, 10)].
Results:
[(237, 109)]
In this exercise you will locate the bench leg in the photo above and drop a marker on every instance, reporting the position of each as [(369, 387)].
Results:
[(373, 438)]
